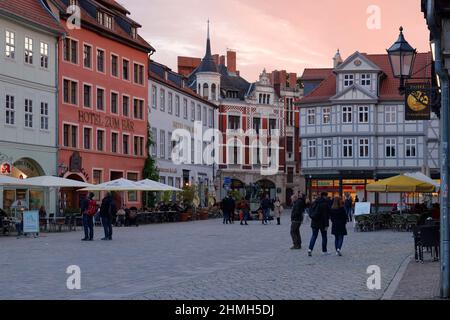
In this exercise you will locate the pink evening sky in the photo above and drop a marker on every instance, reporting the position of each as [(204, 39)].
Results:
[(276, 34)]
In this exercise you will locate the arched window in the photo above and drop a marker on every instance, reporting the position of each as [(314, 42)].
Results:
[(199, 91), (268, 99), (213, 92), (205, 91)]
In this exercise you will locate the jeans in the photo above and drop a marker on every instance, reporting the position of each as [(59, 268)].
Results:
[(266, 213), (315, 234), (338, 241), (107, 226), (349, 212), (88, 224), (295, 234), (226, 218)]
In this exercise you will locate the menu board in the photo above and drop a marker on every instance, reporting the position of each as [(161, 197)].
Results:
[(362, 208), (31, 222)]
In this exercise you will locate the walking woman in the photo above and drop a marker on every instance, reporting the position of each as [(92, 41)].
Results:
[(339, 219), (278, 210)]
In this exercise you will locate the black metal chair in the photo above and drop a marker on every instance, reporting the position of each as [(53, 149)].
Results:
[(426, 237)]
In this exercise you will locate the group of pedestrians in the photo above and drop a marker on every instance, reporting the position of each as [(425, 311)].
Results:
[(321, 212), (107, 212)]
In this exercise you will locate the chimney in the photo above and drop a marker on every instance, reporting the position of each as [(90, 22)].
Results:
[(216, 59), (292, 80), (222, 60), (231, 61)]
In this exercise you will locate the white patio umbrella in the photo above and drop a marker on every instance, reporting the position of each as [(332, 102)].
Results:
[(150, 185), (55, 182), (115, 185), (422, 177), (9, 181)]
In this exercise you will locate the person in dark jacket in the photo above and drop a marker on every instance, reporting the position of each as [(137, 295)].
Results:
[(338, 218), (107, 211), (320, 216), (296, 221), (88, 221), (266, 205), (348, 206), (228, 206)]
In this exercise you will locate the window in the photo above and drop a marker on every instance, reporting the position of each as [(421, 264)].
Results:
[(290, 144), (97, 177), (311, 116), (114, 65), (390, 147), (87, 96), (364, 148), (100, 60), (87, 56), (185, 108), (162, 100), (70, 136), (10, 112), (290, 111), (192, 111), (44, 55), (125, 144), (154, 139), (71, 50), (114, 140), (70, 90), (114, 103), (154, 97), (348, 80), (125, 69), (134, 32), (169, 145), (162, 144), (87, 138), (138, 74), (28, 50), (256, 125), (138, 109), (410, 150), (125, 106), (105, 19), (10, 44), (234, 122), (347, 148), (177, 106), (272, 126), (290, 175), (211, 118), (199, 113), (44, 116), (347, 115), (326, 115), (365, 79), (100, 140), (390, 113), (132, 195), (170, 103), (363, 113), (28, 113), (138, 146), (312, 149), (100, 99), (327, 149), (170, 181), (205, 117)]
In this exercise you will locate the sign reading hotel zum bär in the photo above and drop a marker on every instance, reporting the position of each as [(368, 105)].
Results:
[(100, 120)]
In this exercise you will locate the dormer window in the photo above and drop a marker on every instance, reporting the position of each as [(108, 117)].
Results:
[(134, 32), (365, 79), (105, 19), (73, 3), (348, 80)]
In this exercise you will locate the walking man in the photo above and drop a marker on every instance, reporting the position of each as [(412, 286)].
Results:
[(228, 207), (320, 216), (107, 211), (296, 221), (348, 206), (88, 210), (266, 205)]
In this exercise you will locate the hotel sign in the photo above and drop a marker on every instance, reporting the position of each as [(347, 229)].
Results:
[(105, 121), (418, 102)]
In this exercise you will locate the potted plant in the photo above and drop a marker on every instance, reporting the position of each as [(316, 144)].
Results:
[(188, 196)]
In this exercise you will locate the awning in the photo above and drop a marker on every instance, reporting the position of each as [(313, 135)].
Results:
[(55, 182), (420, 176), (401, 183), (9, 181), (150, 185), (115, 185)]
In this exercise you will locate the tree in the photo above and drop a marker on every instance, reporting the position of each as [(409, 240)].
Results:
[(150, 171)]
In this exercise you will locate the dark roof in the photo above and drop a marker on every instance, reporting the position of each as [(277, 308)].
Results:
[(34, 11), (121, 30), (316, 74), (208, 64), (388, 84), (233, 82)]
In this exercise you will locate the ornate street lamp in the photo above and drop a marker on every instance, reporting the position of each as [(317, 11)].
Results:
[(401, 57)]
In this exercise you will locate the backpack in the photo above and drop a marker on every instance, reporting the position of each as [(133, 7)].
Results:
[(92, 208), (314, 210)]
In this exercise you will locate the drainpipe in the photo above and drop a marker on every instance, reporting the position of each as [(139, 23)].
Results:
[(443, 75)]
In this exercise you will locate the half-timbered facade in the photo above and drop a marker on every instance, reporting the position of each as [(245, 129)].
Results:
[(353, 128)]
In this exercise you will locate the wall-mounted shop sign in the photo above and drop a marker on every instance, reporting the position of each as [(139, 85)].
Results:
[(418, 102), (5, 168), (105, 121)]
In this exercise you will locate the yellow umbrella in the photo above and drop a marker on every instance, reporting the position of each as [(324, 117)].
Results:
[(400, 183)]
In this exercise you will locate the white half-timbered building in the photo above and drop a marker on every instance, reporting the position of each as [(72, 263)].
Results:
[(353, 128)]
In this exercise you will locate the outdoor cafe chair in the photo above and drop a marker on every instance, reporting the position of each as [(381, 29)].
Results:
[(426, 237), (412, 221), (398, 222)]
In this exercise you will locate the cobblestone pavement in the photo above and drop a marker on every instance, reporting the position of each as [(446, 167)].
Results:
[(198, 260)]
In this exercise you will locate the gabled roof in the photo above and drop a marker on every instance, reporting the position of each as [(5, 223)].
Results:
[(316, 74), (388, 90), (353, 57), (359, 88), (33, 11)]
